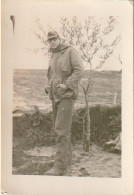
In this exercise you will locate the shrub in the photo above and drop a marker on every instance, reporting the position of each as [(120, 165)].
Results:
[(105, 123), (36, 128)]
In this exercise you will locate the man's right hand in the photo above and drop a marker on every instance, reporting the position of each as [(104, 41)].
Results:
[(47, 88)]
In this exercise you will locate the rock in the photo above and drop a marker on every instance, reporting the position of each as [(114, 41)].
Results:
[(84, 172), (17, 113), (114, 145)]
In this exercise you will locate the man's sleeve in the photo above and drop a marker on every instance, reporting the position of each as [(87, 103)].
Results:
[(77, 70), (49, 73)]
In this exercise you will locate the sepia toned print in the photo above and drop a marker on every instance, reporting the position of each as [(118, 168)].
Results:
[(88, 43), (67, 97)]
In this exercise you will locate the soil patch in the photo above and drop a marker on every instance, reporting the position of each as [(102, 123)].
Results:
[(95, 163)]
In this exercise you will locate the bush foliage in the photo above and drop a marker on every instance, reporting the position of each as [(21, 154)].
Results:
[(105, 123), (37, 128)]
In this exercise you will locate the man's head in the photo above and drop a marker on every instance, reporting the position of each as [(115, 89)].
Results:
[(53, 39)]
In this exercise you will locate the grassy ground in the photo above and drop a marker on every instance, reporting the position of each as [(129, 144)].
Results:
[(29, 85)]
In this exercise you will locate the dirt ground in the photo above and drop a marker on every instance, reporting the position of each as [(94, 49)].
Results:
[(95, 163)]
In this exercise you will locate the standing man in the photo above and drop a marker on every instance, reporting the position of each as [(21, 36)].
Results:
[(64, 72)]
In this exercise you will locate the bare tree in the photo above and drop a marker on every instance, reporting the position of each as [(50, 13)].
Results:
[(93, 41)]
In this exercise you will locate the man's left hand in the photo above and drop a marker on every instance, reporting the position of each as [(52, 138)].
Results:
[(62, 86)]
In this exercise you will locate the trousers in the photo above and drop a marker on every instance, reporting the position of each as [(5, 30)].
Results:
[(62, 120)]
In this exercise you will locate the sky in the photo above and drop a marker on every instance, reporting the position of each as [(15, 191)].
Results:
[(23, 39)]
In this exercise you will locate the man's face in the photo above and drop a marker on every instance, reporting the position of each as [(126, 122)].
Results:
[(54, 42)]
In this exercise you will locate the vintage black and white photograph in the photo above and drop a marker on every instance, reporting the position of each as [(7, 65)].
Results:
[(67, 65), (56, 129)]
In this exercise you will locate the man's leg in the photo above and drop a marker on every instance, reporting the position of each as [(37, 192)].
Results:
[(62, 129), (63, 121), (54, 107)]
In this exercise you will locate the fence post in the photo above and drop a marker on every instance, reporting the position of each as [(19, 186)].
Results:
[(115, 98)]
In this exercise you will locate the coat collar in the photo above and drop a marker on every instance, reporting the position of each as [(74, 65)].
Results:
[(61, 48)]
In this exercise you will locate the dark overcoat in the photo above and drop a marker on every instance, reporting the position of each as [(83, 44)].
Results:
[(65, 67)]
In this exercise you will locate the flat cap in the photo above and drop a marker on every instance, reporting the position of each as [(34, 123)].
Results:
[(52, 34)]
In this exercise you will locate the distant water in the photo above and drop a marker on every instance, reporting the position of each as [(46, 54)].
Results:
[(29, 89)]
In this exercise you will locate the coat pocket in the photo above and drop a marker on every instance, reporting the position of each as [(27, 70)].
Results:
[(61, 91)]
